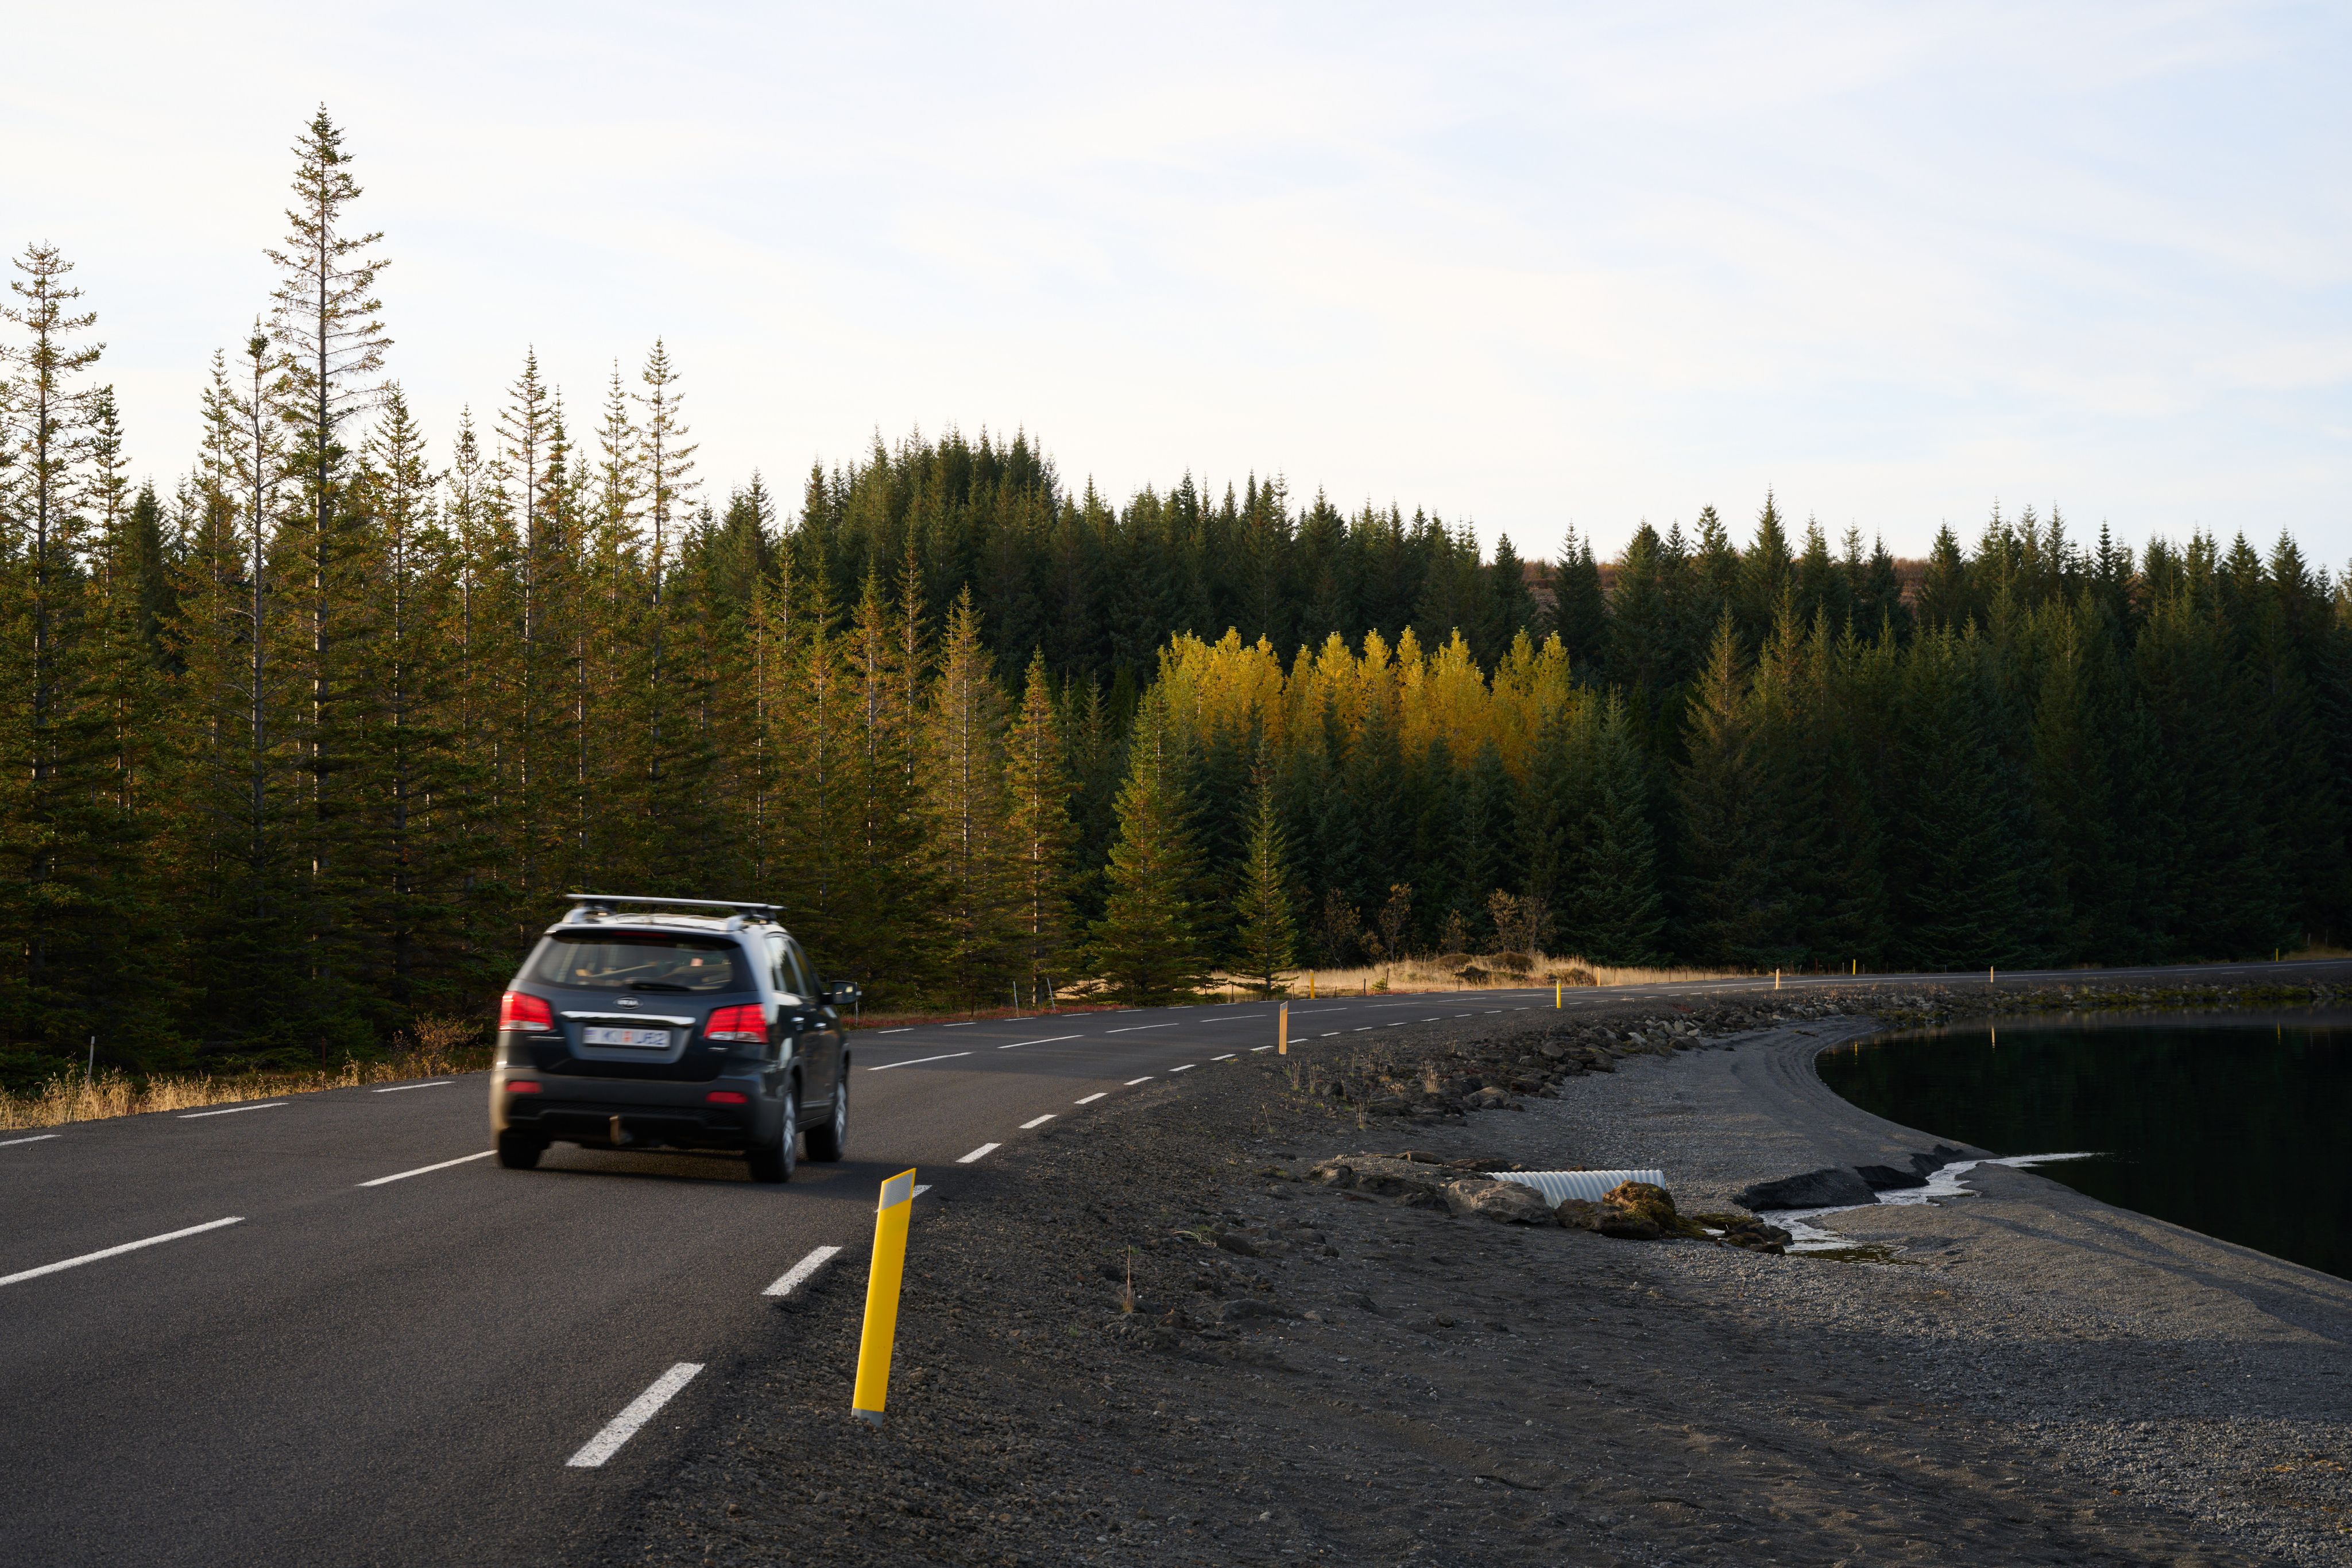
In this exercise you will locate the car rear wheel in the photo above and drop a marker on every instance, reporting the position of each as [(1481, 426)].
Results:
[(831, 1141), (775, 1162), (520, 1151)]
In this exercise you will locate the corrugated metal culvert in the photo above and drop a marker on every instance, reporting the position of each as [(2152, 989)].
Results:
[(1586, 1186)]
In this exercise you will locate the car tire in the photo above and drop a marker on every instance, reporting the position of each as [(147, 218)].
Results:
[(774, 1162), (520, 1151), (830, 1142)]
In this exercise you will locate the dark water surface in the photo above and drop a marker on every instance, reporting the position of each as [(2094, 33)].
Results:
[(2237, 1125)]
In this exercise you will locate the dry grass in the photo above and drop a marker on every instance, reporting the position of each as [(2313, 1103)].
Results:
[(1443, 972), (438, 1047)]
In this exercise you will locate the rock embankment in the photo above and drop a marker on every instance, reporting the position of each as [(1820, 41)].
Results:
[(1631, 1211)]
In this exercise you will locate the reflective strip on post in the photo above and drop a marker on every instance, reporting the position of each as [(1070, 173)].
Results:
[(882, 1280)]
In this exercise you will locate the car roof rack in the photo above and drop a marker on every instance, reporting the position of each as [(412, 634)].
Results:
[(587, 904)]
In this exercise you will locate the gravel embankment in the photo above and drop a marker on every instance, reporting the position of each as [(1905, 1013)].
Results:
[(1311, 1374)]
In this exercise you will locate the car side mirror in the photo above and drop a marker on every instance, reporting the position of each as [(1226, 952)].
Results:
[(841, 993)]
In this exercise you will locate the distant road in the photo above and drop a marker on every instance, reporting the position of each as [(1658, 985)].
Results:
[(328, 1330)]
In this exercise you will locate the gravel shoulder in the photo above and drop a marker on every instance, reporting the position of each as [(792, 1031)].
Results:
[(2028, 1377)]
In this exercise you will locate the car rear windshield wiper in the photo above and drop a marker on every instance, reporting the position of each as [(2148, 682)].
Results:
[(655, 985)]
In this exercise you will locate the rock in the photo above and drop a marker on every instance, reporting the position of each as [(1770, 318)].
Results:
[(1826, 1188), (1626, 1226), (1927, 1164), (1647, 1199), (1490, 1099), (1578, 1214), (1887, 1178), (1506, 1202), (1234, 1241)]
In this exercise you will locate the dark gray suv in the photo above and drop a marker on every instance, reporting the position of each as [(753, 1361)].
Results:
[(671, 1022)]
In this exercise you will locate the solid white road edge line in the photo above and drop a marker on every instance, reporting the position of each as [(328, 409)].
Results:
[(802, 1272), (624, 1426), (918, 1061), (1091, 1098), (436, 1084), (980, 1153), (119, 1251), (1048, 1040), (421, 1170), (1032, 1126), (233, 1110), (1133, 1082), (36, 1138)]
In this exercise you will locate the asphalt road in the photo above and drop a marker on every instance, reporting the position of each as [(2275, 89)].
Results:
[(331, 1366)]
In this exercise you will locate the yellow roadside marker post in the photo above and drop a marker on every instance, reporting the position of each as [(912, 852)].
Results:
[(1776, 979), (1282, 1031), (1311, 985), (1555, 995), (882, 1280)]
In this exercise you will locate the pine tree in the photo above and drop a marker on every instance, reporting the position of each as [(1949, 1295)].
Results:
[(1146, 946), (965, 782), (1266, 942), (55, 854), (1617, 911), (330, 354), (1729, 889), (1038, 833)]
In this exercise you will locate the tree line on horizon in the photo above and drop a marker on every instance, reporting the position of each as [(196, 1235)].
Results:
[(313, 739)]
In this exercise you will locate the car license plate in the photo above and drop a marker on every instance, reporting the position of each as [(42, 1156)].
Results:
[(641, 1039)]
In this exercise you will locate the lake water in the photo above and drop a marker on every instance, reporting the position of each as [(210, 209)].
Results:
[(2237, 1125)]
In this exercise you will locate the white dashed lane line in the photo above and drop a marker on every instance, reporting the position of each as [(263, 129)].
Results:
[(1186, 1068), (920, 1188), (918, 1060), (1132, 1028), (397, 1088), (1032, 1126), (424, 1170), (1361, 1029), (233, 1110), (1091, 1098), (1048, 1040), (1255, 1048), (36, 1138), (642, 1409), (981, 1153), (1227, 1057), (1328, 1034), (908, 1029), (1133, 1082), (118, 1251), (802, 1272)]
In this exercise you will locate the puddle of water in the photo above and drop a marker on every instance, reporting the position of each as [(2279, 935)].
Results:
[(1942, 1185)]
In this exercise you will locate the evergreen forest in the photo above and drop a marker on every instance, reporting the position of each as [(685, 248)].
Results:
[(310, 735)]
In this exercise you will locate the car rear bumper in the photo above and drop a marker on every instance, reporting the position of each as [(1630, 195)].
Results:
[(624, 1114)]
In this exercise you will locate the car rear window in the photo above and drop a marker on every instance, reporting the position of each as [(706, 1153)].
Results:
[(636, 961)]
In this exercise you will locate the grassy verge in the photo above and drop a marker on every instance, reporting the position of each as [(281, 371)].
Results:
[(438, 1047)]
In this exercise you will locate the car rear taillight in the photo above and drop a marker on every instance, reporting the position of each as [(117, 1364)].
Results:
[(726, 1097), (524, 1087), (520, 1010), (746, 1023)]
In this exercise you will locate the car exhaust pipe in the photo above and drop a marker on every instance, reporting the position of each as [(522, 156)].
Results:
[(621, 1139)]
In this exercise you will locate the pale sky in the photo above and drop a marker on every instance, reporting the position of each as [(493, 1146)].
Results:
[(1530, 265)]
